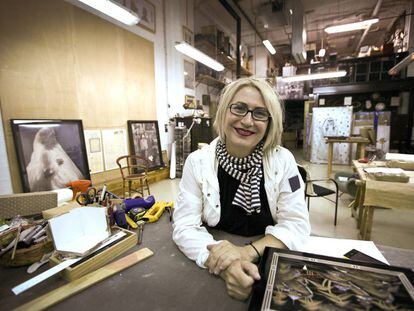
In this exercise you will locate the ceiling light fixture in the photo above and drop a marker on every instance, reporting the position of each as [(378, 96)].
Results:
[(315, 76), (351, 26), (199, 56), (114, 10), (402, 64), (269, 47)]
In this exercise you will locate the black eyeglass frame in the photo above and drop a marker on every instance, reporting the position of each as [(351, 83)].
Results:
[(247, 111)]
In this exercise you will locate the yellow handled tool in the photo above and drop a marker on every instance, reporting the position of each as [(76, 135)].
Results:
[(156, 211)]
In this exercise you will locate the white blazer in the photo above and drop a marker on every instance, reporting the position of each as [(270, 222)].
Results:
[(198, 202)]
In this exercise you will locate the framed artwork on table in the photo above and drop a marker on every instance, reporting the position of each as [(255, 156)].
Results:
[(188, 36), (51, 153), (144, 140), (293, 280), (189, 75), (145, 11)]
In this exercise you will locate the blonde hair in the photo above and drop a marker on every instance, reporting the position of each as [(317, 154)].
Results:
[(271, 100)]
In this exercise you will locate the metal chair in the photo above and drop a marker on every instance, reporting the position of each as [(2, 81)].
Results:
[(313, 190), (134, 168)]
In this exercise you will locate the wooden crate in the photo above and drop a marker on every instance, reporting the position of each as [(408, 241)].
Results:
[(99, 260)]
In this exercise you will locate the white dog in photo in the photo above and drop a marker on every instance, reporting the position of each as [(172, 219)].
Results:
[(50, 167)]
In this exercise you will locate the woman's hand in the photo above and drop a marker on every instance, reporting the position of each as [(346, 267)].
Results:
[(239, 278), (223, 254)]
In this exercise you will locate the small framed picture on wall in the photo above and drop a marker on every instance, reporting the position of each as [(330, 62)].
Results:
[(189, 75), (188, 36), (145, 11)]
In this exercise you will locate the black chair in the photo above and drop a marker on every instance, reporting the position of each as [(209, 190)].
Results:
[(313, 190)]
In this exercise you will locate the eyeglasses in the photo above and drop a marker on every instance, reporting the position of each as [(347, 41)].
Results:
[(241, 110)]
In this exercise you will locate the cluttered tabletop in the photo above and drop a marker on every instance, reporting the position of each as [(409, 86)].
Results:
[(126, 266), (114, 254)]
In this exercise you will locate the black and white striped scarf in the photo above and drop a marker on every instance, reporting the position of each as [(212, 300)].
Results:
[(248, 171)]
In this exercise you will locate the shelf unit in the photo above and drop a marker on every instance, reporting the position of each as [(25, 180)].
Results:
[(210, 81), (228, 62)]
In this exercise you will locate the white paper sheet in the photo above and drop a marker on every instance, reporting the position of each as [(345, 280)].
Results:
[(94, 150), (115, 145), (339, 247)]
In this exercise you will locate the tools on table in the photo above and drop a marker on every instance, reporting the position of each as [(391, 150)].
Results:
[(87, 197), (93, 195), (19, 238), (130, 211), (156, 211), (140, 224)]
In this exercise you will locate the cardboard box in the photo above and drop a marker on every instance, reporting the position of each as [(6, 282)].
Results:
[(98, 260), (25, 204)]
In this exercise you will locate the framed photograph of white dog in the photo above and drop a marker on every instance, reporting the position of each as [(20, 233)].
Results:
[(144, 141), (114, 146), (145, 11), (189, 75), (93, 140), (51, 153)]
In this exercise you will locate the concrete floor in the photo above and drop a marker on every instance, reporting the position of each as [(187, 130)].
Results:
[(391, 227)]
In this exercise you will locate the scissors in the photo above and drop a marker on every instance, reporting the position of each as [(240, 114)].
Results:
[(87, 197)]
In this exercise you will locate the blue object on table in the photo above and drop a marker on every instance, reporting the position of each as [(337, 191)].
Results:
[(139, 202)]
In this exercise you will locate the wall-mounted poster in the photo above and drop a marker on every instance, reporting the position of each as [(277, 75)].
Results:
[(330, 121), (189, 75), (51, 153), (145, 11), (114, 146), (93, 141), (144, 140)]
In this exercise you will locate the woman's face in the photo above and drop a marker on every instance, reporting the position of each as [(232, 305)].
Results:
[(244, 133)]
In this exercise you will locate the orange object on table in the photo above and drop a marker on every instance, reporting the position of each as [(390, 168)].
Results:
[(79, 186)]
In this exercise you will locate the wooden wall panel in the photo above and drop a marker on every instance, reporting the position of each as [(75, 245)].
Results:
[(58, 61)]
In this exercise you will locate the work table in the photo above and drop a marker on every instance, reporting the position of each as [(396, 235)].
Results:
[(165, 281)]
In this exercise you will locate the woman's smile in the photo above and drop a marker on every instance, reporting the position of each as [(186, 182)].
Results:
[(244, 132)]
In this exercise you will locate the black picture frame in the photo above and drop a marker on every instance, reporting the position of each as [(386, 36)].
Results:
[(144, 141), (289, 278), (50, 153)]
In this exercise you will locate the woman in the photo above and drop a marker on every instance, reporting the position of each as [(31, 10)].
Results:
[(243, 183)]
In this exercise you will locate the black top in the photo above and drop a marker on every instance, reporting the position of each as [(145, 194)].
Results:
[(235, 219)]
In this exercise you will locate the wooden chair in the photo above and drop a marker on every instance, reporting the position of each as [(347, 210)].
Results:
[(134, 168)]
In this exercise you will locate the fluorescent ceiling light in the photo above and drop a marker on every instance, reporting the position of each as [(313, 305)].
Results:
[(269, 47), (199, 56), (114, 10), (352, 26), (315, 76), (402, 64)]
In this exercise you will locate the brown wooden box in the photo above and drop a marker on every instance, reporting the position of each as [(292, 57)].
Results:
[(98, 260)]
